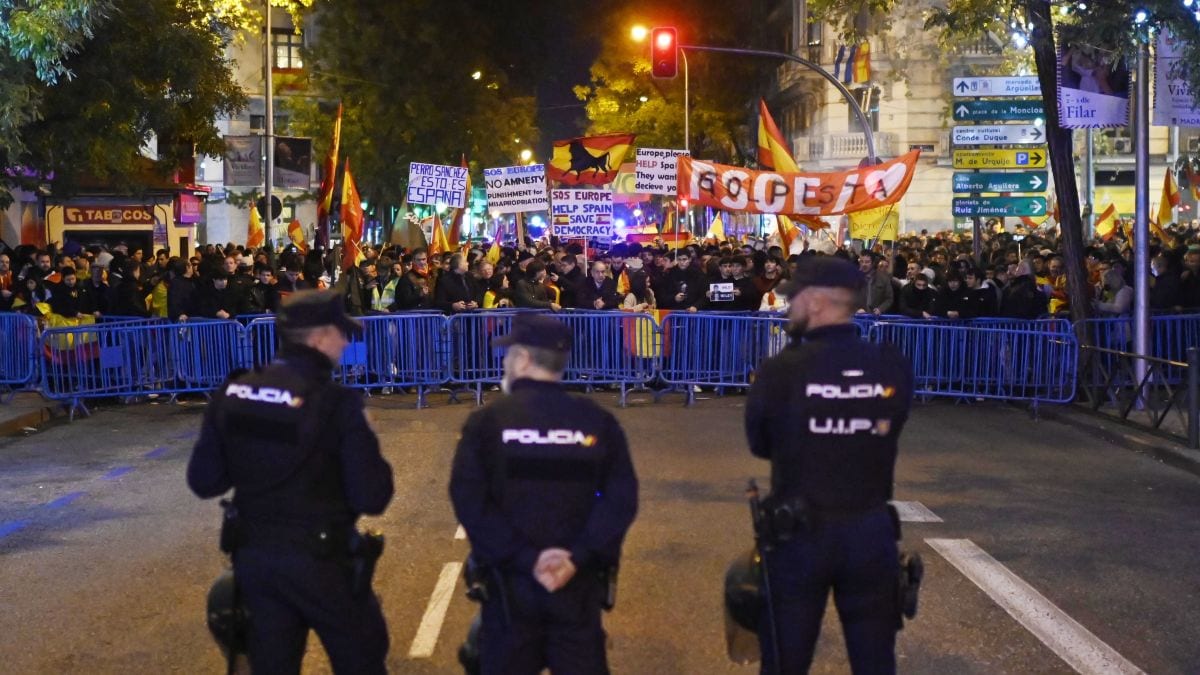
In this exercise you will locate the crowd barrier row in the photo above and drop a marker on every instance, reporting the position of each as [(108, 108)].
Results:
[(1031, 361)]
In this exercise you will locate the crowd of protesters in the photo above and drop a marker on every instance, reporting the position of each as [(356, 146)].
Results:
[(1020, 275)]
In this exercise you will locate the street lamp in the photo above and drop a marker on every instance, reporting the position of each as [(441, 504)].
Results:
[(526, 155), (638, 32), (476, 75)]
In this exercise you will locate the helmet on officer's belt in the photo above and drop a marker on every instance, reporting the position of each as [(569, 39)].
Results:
[(227, 618), (744, 599)]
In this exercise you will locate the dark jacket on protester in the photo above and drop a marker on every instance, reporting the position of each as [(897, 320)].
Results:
[(688, 281), (210, 300), (953, 301), (1023, 299), (915, 302), (568, 285), (64, 301), (130, 299), (453, 287), (586, 294), (529, 293), (262, 299), (409, 292), (181, 297)]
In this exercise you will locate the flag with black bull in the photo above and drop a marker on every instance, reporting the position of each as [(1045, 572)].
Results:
[(591, 160)]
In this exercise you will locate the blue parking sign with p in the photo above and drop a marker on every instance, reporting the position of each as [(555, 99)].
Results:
[(1022, 158)]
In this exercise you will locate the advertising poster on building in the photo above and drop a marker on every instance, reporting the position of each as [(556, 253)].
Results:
[(1093, 88), (435, 184), (582, 214), (243, 161), (293, 163), (517, 189), (1173, 102)]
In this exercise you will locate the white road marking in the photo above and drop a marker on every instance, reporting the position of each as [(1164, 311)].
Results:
[(435, 612), (1073, 643), (915, 512), (460, 533)]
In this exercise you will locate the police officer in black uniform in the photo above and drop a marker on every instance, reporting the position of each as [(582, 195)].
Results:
[(544, 487), (827, 412), (304, 463)]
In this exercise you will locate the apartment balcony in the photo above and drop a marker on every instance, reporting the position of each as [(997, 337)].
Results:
[(843, 146)]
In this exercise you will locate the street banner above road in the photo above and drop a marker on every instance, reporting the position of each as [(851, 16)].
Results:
[(1019, 110), (1093, 88), (435, 184), (243, 161), (998, 134), (1000, 158), (965, 87), (517, 189), (734, 188), (1004, 207), (1173, 103), (293, 163), (591, 160), (1016, 181), (656, 170), (582, 214)]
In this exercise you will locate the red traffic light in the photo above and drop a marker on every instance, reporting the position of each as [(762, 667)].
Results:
[(664, 52)]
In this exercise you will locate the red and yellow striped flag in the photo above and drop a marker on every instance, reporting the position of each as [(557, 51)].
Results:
[(296, 234), (255, 234), (1106, 225), (352, 221), (438, 244), (590, 160), (328, 181), (1166, 208)]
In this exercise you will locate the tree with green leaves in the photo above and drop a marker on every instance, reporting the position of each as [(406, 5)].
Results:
[(1109, 26), (403, 71), (84, 86), (623, 96)]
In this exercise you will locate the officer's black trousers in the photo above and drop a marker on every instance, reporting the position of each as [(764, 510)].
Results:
[(561, 631), (857, 558), (289, 591)]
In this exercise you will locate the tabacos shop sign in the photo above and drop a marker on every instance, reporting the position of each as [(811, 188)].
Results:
[(108, 215)]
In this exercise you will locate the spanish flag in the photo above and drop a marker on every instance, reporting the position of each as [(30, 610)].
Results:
[(1106, 225), (352, 221), (438, 244), (716, 230), (1193, 179), (591, 160), (773, 155), (296, 234), (1166, 205), (328, 181), (255, 235), (862, 63)]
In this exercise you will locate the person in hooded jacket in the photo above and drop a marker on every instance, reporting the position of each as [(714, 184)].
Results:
[(954, 299)]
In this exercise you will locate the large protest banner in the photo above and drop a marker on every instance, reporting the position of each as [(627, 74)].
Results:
[(434, 184), (582, 214), (516, 189), (735, 188)]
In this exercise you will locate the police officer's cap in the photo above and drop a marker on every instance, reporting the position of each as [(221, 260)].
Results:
[(310, 309), (822, 271), (537, 330)]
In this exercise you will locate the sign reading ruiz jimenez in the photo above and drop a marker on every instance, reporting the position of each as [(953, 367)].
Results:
[(110, 214), (733, 188)]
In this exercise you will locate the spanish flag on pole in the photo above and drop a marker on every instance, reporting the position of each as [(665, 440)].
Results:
[(438, 244), (1106, 224), (493, 252), (716, 230), (352, 221), (590, 160), (255, 234), (328, 181), (1166, 206), (773, 155), (296, 234)]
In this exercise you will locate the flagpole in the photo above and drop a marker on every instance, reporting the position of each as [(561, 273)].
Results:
[(269, 129)]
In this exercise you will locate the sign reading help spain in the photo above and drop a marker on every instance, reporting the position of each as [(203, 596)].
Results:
[(734, 188)]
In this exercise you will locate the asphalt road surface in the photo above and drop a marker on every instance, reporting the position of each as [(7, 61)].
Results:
[(1046, 550)]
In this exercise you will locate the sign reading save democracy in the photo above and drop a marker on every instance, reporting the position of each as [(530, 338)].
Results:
[(656, 170), (437, 184), (582, 214), (734, 188), (516, 189)]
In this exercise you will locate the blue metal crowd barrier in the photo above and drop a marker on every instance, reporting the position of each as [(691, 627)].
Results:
[(716, 349), (1024, 364), (18, 350), (1170, 337)]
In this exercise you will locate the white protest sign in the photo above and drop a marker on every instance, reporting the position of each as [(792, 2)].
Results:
[(656, 170), (582, 214), (1173, 104), (516, 189), (437, 184)]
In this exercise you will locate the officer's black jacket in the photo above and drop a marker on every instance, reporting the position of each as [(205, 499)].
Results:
[(541, 469), (315, 463), (827, 412)]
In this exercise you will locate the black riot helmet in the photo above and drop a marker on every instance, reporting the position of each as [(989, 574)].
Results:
[(228, 620)]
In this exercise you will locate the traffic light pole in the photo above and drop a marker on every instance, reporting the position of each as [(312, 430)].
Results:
[(854, 106), (269, 128)]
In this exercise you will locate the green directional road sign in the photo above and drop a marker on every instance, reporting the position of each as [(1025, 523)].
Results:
[(1024, 110), (1000, 158), (997, 181), (1010, 207)]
